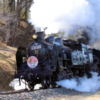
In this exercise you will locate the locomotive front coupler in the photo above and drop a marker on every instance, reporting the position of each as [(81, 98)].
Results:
[(32, 77), (21, 77)]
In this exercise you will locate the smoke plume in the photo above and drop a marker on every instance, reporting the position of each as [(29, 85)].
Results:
[(67, 16), (83, 84), (82, 35), (15, 85)]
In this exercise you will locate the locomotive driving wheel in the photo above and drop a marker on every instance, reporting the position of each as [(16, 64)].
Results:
[(31, 86), (46, 81), (53, 85)]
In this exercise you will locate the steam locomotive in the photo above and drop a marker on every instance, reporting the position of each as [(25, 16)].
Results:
[(52, 59)]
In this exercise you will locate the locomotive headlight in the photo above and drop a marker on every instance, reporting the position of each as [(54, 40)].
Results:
[(34, 36)]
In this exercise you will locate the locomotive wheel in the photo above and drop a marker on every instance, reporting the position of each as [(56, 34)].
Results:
[(46, 81), (53, 85), (31, 86), (89, 75)]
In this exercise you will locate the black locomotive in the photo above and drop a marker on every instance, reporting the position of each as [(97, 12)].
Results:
[(52, 59)]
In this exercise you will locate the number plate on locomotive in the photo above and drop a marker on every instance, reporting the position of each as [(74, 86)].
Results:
[(36, 47)]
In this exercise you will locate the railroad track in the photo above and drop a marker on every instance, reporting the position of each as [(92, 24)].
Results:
[(17, 91), (24, 90)]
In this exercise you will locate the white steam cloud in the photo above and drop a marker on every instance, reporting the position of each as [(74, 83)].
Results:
[(15, 85), (84, 84), (66, 15)]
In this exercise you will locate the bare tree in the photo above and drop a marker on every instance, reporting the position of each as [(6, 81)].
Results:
[(26, 11), (13, 17), (11, 5), (4, 2), (27, 6), (17, 3), (19, 12)]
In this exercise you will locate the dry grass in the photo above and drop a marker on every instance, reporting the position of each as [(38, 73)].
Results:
[(7, 66)]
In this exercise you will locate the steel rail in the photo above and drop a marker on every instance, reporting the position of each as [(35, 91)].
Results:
[(17, 91), (24, 90)]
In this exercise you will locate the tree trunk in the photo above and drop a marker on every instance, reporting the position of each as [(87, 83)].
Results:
[(11, 4), (13, 7), (19, 12), (8, 32), (4, 7), (26, 11), (14, 32), (17, 4)]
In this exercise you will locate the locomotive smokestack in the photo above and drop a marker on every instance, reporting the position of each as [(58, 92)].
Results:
[(38, 36)]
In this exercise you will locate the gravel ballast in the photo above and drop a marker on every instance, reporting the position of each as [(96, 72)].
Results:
[(53, 94)]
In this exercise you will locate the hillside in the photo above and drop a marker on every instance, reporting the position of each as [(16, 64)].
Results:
[(7, 66), (7, 53)]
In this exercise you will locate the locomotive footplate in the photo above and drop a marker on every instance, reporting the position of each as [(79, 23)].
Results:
[(38, 72)]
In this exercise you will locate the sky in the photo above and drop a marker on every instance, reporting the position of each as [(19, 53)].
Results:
[(66, 16)]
